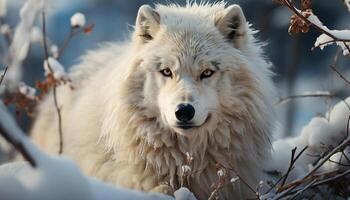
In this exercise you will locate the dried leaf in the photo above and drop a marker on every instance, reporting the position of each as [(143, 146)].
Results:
[(305, 4), (89, 28)]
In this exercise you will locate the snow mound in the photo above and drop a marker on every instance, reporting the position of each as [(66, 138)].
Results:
[(56, 67), (319, 136), (78, 20), (57, 178)]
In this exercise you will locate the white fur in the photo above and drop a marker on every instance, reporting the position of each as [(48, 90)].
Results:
[(119, 123)]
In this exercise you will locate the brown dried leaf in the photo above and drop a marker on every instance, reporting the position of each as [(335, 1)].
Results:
[(21, 103), (46, 85), (89, 28), (305, 4), (298, 25)]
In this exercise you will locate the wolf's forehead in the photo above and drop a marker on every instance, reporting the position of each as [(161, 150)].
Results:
[(192, 43)]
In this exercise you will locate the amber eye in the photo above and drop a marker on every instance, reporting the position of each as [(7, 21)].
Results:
[(207, 73), (166, 72)]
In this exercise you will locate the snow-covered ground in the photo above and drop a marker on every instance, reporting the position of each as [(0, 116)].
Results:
[(55, 177)]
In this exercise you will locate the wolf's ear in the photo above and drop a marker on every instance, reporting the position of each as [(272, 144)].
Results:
[(147, 23), (232, 24)]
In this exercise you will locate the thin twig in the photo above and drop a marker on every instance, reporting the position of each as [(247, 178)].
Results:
[(303, 190), (58, 109), (308, 176), (344, 154), (216, 191), (292, 162), (289, 189), (3, 75), (17, 144), (240, 178), (73, 32), (334, 67), (299, 96), (333, 178), (338, 163)]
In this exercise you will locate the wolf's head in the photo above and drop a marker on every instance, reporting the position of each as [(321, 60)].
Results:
[(195, 80), (200, 66)]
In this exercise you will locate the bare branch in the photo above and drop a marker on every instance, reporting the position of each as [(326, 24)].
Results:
[(298, 96), (334, 67), (3, 75), (72, 33), (333, 178), (54, 90), (292, 162), (18, 145)]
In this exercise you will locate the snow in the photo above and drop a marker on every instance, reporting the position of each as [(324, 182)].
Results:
[(324, 39), (5, 29), (36, 35), (186, 169), (347, 3), (77, 20), (3, 8), (58, 178), (54, 51), (26, 90), (315, 20), (57, 68), (320, 134), (317, 93), (220, 172), (234, 179), (21, 40), (338, 116), (184, 194)]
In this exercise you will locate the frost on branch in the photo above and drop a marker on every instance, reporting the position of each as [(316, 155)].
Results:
[(54, 51), (301, 20), (56, 67), (26, 90), (21, 40), (77, 20), (324, 40)]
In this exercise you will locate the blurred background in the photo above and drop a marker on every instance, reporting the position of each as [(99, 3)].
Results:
[(298, 69)]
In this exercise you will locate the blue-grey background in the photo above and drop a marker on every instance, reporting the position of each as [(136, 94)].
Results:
[(297, 68)]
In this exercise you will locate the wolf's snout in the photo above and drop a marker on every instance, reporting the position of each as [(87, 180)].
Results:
[(184, 112)]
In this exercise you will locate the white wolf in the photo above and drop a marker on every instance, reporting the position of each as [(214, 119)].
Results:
[(191, 80)]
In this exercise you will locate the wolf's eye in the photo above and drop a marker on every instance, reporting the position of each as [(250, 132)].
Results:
[(166, 72), (207, 73)]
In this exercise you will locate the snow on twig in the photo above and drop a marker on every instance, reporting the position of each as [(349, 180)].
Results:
[(328, 36), (21, 41)]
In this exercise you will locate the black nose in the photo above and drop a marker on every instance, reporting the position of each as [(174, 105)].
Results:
[(184, 112)]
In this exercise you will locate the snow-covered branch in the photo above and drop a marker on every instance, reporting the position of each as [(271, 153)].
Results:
[(21, 41), (304, 18)]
